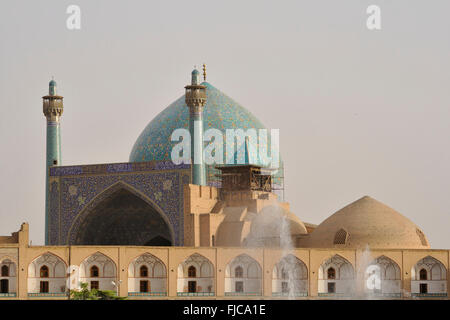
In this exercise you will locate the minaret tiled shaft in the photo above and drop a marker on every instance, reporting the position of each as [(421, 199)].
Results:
[(53, 109), (196, 99)]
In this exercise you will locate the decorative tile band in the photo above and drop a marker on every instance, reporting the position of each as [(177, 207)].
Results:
[(116, 168), (429, 295), (195, 294), (147, 294), (242, 293), (386, 295), (8, 295), (48, 294), (342, 295), (285, 294), (52, 123)]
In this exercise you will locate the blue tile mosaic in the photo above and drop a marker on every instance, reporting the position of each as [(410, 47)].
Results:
[(83, 187), (220, 112)]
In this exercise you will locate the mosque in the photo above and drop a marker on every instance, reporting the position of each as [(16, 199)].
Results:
[(153, 229)]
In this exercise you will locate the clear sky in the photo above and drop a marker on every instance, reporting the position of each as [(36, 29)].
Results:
[(360, 112)]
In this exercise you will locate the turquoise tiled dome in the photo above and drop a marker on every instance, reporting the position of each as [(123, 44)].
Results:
[(220, 112)]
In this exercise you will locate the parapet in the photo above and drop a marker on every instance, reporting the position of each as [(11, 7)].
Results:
[(200, 199), (203, 192), (19, 237)]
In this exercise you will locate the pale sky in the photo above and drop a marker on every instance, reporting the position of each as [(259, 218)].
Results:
[(360, 112)]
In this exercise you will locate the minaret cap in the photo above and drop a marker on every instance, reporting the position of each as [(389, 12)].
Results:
[(195, 77), (52, 88)]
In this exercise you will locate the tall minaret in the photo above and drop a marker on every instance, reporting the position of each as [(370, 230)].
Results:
[(53, 109), (196, 99)]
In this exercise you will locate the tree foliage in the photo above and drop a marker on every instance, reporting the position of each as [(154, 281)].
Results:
[(85, 294)]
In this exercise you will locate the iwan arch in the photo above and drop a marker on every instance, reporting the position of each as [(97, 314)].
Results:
[(150, 229), (121, 215)]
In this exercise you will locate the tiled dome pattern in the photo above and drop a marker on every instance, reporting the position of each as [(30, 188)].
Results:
[(220, 112)]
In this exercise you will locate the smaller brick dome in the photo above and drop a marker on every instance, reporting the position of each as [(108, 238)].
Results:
[(274, 226), (367, 222)]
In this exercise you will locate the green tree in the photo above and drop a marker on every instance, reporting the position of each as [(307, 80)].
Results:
[(85, 294)]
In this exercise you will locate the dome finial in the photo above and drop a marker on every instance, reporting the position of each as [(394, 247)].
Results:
[(195, 77), (204, 72), (52, 87)]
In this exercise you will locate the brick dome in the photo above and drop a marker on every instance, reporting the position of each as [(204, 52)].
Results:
[(367, 222)]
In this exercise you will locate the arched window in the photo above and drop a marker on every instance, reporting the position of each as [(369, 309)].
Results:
[(44, 272), (340, 237), (239, 272), (331, 273), (192, 272), (94, 271), (5, 271), (423, 274), (144, 272)]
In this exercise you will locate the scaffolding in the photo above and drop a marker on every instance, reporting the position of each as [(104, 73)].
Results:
[(213, 179)]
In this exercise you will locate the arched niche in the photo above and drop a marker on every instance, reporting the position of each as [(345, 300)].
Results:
[(290, 277), (47, 276), (121, 215), (429, 278), (382, 277), (8, 277), (195, 276), (99, 272), (147, 276), (243, 276), (336, 277)]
